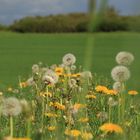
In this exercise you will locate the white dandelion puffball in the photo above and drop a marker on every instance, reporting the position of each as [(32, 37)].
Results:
[(53, 75), (48, 80), (120, 73), (117, 86), (124, 58), (35, 68), (86, 74), (69, 59), (30, 82), (11, 107)]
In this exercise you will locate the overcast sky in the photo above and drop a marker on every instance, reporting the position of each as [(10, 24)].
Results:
[(11, 10)]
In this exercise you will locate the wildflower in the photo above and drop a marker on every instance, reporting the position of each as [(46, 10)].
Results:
[(11, 107), (77, 106), (86, 74), (46, 94), (69, 59), (48, 80), (101, 89), (83, 120), (30, 82), (72, 133), (76, 75), (53, 75), (59, 71), (35, 68), (51, 115), (72, 83), (120, 73), (124, 58), (90, 96), (132, 92), (111, 92), (51, 128), (59, 106), (110, 127), (86, 136), (23, 84), (117, 86)]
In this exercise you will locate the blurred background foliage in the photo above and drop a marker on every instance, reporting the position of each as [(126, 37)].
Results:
[(75, 22)]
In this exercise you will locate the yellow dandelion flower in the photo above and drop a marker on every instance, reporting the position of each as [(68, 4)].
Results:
[(46, 94), (72, 133), (86, 136), (77, 106), (59, 71), (101, 89), (90, 96), (51, 115), (76, 75), (111, 92), (59, 106), (110, 127), (51, 128), (83, 120), (132, 92), (23, 84)]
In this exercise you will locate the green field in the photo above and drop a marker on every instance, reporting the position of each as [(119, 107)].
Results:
[(19, 51)]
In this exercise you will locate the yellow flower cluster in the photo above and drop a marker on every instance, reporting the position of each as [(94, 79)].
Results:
[(59, 71), (105, 90), (110, 127), (57, 105), (132, 92)]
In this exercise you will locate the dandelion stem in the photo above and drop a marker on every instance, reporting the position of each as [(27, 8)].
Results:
[(11, 126), (28, 128)]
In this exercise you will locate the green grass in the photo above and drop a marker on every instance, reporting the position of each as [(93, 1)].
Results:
[(19, 51)]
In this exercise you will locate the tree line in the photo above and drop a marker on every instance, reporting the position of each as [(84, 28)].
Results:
[(75, 22)]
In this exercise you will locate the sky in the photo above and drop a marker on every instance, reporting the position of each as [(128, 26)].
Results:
[(11, 10)]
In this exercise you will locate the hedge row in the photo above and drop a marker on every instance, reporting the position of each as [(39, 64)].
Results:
[(77, 22)]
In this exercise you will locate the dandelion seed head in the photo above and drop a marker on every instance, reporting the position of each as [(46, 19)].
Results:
[(69, 59), (30, 81), (48, 80), (53, 75), (120, 73), (124, 58), (35, 68), (11, 107), (86, 74), (117, 86)]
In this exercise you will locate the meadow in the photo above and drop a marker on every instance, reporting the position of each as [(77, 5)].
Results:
[(40, 101), (18, 52)]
